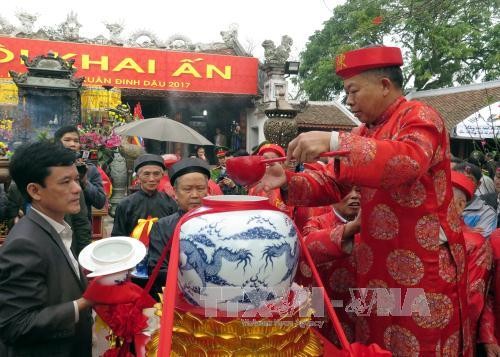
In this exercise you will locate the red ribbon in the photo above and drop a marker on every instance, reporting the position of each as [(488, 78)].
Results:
[(215, 206), (123, 293), (120, 307)]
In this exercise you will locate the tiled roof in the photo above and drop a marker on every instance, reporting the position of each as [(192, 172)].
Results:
[(457, 103), (325, 115), (454, 104)]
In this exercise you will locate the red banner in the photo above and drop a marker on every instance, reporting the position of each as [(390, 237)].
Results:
[(124, 67)]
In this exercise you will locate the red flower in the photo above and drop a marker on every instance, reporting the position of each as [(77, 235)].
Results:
[(377, 20), (125, 320)]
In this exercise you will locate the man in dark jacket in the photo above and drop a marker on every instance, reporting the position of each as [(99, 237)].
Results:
[(42, 311), (3, 203), (147, 201), (189, 177), (90, 179), (17, 206)]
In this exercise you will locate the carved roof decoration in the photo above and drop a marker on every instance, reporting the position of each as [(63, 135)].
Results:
[(115, 29), (145, 39), (277, 54), (27, 21), (179, 42), (5, 26), (70, 28), (48, 71), (49, 62)]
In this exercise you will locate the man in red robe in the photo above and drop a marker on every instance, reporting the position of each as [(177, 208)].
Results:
[(166, 186), (302, 214), (271, 151), (478, 252), (321, 235), (400, 158), (489, 326)]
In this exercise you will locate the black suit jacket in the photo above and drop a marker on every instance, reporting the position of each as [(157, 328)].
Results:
[(37, 287)]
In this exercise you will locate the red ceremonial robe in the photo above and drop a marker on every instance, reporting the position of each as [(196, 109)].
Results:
[(322, 235), (479, 260), (166, 186), (274, 199), (489, 327), (302, 214), (402, 164)]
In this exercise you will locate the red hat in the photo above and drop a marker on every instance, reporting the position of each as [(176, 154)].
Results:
[(220, 153), (354, 62), (278, 150), (169, 159), (463, 183)]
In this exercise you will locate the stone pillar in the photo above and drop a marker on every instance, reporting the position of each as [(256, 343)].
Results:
[(118, 175), (280, 127), (275, 82)]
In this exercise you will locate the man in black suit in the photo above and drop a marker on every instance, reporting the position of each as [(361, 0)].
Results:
[(42, 311)]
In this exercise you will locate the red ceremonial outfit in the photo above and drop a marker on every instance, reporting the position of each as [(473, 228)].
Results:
[(166, 186), (479, 260), (320, 233), (302, 214), (274, 196), (275, 199), (489, 326), (402, 164)]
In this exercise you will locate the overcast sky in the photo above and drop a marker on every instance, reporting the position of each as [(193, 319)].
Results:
[(200, 20)]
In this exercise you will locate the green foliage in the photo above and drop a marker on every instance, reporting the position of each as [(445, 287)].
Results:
[(42, 135), (105, 156), (444, 41)]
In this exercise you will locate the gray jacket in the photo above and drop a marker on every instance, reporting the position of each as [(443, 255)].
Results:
[(478, 214)]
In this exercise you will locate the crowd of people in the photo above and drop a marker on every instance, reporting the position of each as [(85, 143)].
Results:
[(397, 213)]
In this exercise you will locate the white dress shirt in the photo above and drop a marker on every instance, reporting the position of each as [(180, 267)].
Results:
[(66, 234)]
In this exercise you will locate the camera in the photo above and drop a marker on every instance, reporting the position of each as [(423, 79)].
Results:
[(83, 154), (82, 168), (221, 177), (81, 164)]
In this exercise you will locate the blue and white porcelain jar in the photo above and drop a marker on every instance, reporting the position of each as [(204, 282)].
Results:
[(237, 253)]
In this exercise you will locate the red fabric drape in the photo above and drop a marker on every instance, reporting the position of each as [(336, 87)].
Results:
[(167, 319)]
